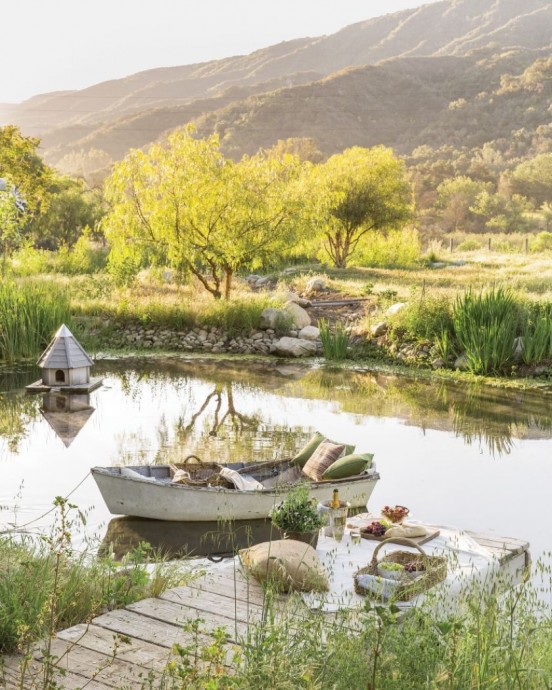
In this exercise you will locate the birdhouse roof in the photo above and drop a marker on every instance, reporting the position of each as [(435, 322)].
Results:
[(64, 352)]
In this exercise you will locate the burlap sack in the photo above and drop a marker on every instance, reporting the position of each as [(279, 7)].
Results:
[(286, 564)]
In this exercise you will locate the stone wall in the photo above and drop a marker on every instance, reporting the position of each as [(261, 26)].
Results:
[(214, 340)]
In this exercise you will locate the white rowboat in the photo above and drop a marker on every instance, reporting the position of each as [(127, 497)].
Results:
[(152, 495)]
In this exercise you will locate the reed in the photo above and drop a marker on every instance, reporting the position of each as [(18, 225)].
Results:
[(485, 326), (29, 315), (335, 342), (536, 336)]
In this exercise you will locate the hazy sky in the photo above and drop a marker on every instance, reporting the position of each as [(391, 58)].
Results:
[(49, 45)]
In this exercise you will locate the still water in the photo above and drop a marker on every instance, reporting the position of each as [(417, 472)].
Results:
[(467, 456)]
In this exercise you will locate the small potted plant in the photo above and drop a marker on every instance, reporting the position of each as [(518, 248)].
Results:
[(296, 517)]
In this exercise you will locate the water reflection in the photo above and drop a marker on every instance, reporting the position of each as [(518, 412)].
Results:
[(480, 414), (66, 414), (222, 415), (489, 417), (17, 412), (436, 444), (183, 539)]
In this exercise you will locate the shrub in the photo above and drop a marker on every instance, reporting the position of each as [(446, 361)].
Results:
[(485, 326), (395, 248), (85, 257), (425, 317), (470, 245), (542, 242)]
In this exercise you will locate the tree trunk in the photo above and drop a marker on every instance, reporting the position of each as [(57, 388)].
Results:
[(228, 282)]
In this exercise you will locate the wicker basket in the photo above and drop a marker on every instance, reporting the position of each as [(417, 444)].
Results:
[(198, 473), (406, 589)]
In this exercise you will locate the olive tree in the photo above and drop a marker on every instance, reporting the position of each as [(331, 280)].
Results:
[(355, 192), (204, 214)]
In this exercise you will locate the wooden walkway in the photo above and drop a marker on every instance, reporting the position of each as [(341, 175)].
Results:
[(130, 647)]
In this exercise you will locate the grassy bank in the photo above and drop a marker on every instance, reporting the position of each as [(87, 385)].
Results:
[(44, 587), (438, 312)]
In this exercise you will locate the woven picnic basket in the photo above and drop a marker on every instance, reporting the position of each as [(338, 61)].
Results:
[(194, 472), (406, 589)]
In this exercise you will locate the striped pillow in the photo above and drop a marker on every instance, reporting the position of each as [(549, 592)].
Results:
[(324, 456)]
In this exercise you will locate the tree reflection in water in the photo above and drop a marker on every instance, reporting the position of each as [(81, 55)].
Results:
[(225, 410)]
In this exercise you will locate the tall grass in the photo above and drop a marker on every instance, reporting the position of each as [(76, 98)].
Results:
[(44, 588), (334, 342), (536, 333), (485, 325), (499, 639), (29, 316)]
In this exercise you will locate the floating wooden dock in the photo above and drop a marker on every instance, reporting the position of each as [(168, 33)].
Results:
[(40, 387), (130, 647)]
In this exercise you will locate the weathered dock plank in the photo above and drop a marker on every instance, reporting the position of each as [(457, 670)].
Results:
[(239, 586), (177, 614), (129, 649)]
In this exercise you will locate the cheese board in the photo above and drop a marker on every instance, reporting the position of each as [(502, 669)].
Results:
[(430, 534)]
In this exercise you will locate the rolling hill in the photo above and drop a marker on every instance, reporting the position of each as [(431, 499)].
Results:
[(434, 75)]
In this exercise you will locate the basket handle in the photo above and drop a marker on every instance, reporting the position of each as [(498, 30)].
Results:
[(403, 541), (189, 457)]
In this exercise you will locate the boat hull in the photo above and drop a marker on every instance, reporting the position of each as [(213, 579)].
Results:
[(183, 503)]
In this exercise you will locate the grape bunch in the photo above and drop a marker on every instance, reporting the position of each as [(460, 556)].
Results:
[(376, 529), (414, 567)]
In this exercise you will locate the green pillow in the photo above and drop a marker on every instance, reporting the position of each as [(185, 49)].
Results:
[(349, 450), (304, 454), (349, 466)]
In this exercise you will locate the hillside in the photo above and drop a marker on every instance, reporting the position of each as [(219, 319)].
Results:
[(386, 80), (404, 103)]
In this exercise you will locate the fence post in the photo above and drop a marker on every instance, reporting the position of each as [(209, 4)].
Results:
[(527, 245), (450, 245)]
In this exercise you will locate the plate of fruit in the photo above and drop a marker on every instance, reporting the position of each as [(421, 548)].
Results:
[(395, 514), (375, 530)]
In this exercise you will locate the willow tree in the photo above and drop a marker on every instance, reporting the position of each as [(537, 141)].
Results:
[(205, 214), (355, 192)]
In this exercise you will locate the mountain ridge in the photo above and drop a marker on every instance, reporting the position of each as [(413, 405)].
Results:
[(239, 97)]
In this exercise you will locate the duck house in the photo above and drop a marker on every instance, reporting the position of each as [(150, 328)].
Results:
[(65, 366)]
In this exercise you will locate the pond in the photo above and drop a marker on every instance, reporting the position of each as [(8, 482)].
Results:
[(469, 456)]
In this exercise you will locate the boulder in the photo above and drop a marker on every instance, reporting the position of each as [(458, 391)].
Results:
[(315, 285), (395, 309), (294, 347), (378, 329), (262, 282), (309, 333), (294, 297), (517, 350), (461, 363), (298, 314), (272, 318)]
